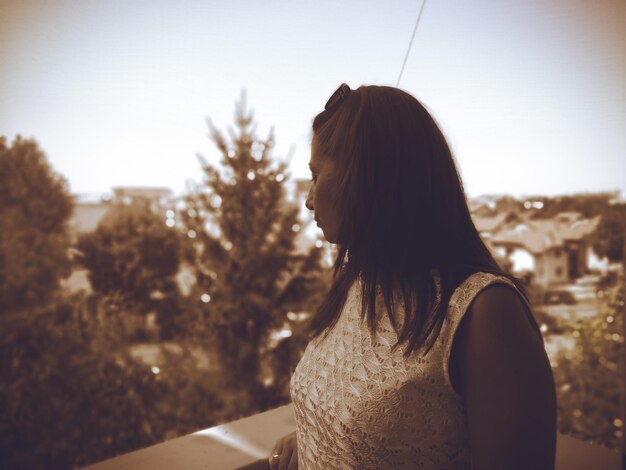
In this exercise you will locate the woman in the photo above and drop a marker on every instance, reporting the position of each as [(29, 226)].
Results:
[(424, 353)]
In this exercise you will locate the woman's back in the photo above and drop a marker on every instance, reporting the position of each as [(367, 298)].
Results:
[(359, 405)]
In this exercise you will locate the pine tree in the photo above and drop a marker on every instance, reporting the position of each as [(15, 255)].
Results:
[(249, 276)]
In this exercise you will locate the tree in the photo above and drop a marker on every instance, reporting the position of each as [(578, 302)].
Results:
[(35, 206), (249, 276), (71, 394), (589, 205), (608, 239), (133, 252)]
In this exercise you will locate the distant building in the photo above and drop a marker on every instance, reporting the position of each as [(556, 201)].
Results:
[(488, 226), (157, 194), (556, 250), (481, 208), (88, 211), (158, 198)]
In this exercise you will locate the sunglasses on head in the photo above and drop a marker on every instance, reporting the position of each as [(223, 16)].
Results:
[(338, 96)]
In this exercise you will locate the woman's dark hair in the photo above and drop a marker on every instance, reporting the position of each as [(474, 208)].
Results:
[(403, 210)]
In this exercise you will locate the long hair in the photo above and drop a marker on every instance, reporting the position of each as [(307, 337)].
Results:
[(404, 218)]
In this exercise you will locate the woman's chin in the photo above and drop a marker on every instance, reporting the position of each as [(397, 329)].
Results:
[(329, 238), (327, 235)]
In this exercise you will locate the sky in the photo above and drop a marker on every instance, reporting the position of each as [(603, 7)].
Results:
[(531, 94)]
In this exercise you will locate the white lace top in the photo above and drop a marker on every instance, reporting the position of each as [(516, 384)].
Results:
[(357, 405)]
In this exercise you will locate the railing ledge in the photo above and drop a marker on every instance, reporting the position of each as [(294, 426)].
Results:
[(242, 442)]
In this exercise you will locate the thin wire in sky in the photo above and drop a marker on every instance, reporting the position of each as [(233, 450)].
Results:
[(411, 42)]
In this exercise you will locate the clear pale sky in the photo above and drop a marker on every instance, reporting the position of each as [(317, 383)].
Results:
[(530, 94)]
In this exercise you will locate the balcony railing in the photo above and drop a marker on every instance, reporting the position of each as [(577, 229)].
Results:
[(247, 441)]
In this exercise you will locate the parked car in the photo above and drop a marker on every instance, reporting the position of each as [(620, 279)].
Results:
[(558, 297)]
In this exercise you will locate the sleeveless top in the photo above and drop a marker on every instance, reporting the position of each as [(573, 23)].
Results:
[(357, 405)]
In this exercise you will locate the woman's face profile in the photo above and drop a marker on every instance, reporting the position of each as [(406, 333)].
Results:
[(322, 193)]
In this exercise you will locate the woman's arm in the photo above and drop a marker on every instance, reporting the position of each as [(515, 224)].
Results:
[(507, 384)]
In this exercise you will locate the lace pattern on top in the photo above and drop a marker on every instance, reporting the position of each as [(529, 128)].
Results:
[(357, 405)]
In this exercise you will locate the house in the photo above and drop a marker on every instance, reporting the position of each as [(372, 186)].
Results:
[(130, 193), (158, 198), (481, 208), (488, 226), (556, 250), (90, 209)]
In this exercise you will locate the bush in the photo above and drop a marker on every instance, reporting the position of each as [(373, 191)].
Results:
[(71, 394), (588, 378)]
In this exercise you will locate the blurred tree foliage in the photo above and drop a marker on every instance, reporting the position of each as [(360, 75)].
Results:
[(133, 252), (35, 206), (588, 378), (589, 205), (249, 275), (608, 239), (71, 394), (72, 390)]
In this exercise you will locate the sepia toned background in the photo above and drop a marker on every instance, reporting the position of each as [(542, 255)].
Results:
[(156, 259)]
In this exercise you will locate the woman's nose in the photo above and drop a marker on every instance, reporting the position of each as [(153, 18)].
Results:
[(309, 201)]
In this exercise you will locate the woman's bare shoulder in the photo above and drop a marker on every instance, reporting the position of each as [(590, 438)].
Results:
[(507, 383)]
